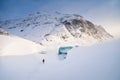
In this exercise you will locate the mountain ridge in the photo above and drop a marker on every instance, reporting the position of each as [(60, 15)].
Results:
[(56, 29)]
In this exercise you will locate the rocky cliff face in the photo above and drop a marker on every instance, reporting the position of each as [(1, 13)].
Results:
[(79, 26)]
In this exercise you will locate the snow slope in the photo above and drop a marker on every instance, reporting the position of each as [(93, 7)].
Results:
[(13, 45), (97, 62)]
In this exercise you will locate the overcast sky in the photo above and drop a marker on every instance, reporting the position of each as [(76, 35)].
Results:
[(100, 12)]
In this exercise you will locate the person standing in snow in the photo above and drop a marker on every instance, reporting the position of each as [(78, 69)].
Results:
[(43, 61)]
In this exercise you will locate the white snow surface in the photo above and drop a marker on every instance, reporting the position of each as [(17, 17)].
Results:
[(13, 45), (96, 62)]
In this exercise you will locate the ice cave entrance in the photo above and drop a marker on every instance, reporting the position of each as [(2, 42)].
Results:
[(62, 53)]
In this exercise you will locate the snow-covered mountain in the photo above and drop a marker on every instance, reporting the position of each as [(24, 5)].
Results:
[(63, 31), (56, 29)]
